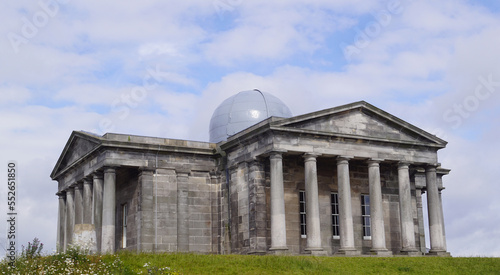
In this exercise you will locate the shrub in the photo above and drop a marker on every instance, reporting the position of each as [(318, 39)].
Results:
[(32, 250)]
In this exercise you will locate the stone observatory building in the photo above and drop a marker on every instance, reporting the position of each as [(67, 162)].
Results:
[(342, 181)]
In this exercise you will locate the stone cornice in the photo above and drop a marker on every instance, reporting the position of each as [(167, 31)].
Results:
[(128, 142), (283, 125)]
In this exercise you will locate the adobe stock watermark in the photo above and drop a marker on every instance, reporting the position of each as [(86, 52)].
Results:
[(47, 9), (12, 183), (373, 28), (461, 111), (122, 105), (223, 6)]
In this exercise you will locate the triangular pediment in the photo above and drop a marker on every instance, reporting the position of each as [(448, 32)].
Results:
[(79, 145), (363, 121)]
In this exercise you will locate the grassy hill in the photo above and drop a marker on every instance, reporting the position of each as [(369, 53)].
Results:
[(74, 262)]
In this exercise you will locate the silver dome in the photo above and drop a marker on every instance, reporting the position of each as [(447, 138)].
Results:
[(243, 110)]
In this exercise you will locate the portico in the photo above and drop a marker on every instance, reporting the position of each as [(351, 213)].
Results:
[(408, 222), (298, 145)]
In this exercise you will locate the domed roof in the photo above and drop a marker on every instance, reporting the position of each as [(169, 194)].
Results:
[(243, 110)]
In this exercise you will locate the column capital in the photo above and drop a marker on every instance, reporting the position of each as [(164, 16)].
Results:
[(61, 194), (276, 155), (403, 164), (374, 162), (343, 159), (109, 169), (87, 180), (278, 150), (146, 171), (97, 175), (431, 167), (310, 156)]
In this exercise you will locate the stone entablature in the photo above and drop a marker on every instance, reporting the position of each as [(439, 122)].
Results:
[(242, 195)]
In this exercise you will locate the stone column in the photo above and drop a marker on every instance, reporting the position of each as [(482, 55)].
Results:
[(78, 204), (405, 211), (84, 234), (312, 204), (108, 211), (97, 194), (419, 190), (70, 218), (182, 211), (442, 217), (87, 201), (278, 220), (434, 208), (345, 208), (376, 207), (61, 219), (420, 214), (146, 222)]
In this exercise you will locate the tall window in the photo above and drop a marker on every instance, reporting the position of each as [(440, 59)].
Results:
[(365, 213), (302, 212), (124, 225), (335, 215)]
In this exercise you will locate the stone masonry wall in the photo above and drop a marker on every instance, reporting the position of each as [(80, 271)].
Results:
[(170, 208)]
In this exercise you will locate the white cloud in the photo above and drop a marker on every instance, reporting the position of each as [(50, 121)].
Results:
[(13, 95)]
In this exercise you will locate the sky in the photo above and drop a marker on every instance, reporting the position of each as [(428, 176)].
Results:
[(160, 68)]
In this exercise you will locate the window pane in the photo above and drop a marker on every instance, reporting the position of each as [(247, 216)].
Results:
[(302, 212), (335, 214), (365, 211)]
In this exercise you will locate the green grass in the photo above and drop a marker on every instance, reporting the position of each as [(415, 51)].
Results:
[(74, 262)]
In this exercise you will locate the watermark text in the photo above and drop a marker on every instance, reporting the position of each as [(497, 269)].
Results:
[(463, 110), (12, 182)]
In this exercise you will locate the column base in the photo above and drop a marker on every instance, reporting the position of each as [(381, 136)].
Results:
[(84, 237), (108, 239), (411, 253), (381, 253), (279, 250), (440, 253), (256, 252), (348, 252), (316, 251), (319, 253)]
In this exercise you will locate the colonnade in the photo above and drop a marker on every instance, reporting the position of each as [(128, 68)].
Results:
[(89, 201), (93, 201), (347, 245)]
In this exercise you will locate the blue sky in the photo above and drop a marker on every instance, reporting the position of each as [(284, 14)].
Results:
[(160, 68)]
